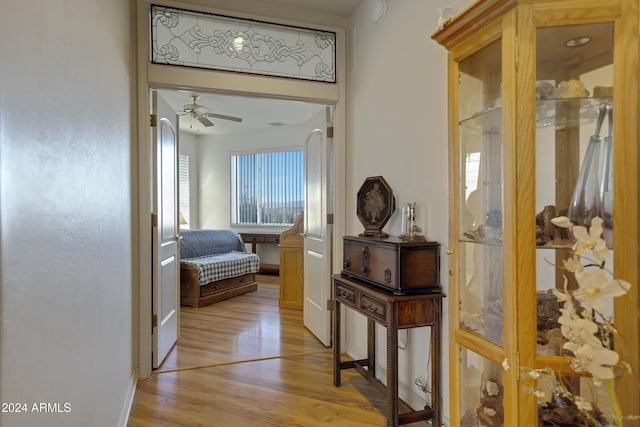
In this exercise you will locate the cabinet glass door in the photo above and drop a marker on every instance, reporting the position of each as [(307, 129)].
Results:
[(574, 172), (480, 148), (480, 233)]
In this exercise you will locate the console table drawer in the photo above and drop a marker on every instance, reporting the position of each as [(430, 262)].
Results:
[(346, 294), (372, 306), (273, 240), (416, 313)]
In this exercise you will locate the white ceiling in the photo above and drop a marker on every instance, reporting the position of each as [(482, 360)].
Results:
[(256, 113), (334, 7), (341, 8)]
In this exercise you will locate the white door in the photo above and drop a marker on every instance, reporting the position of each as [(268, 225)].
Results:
[(317, 232), (165, 231)]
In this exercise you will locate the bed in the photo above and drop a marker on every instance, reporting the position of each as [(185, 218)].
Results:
[(214, 265)]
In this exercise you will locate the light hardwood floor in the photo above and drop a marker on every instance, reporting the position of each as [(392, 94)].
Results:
[(246, 362)]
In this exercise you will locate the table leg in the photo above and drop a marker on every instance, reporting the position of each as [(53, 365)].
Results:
[(392, 366), (371, 346), (436, 363), (336, 343)]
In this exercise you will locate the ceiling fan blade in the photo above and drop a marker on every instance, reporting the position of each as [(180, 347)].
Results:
[(205, 121), (223, 117)]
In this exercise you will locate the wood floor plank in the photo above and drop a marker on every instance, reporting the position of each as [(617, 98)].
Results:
[(244, 362), (247, 327), (294, 391)]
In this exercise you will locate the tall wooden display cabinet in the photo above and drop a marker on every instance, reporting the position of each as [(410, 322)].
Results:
[(528, 83)]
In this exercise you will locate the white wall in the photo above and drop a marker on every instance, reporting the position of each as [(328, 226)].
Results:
[(398, 129), (66, 129), (214, 165)]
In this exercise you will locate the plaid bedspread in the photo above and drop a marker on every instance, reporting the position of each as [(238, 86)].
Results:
[(222, 266)]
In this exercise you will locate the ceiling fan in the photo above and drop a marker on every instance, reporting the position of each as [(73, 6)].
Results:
[(193, 110)]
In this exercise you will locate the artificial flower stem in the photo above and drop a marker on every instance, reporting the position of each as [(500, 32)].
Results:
[(611, 389)]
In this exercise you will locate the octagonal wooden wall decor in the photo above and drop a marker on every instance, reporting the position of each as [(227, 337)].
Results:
[(375, 206)]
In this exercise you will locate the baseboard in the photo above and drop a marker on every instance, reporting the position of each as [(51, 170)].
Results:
[(406, 392), (128, 403), (353, 352)]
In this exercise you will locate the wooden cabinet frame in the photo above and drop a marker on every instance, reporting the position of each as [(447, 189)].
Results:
[(514, 24)]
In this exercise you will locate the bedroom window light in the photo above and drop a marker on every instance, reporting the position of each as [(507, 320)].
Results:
[(267, 187), (472, 168), (184, 196)]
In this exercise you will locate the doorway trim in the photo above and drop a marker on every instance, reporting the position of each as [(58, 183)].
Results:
[(155, 76)]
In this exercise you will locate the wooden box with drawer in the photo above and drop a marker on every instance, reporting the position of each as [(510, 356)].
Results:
[(404, 267), (195, 295)]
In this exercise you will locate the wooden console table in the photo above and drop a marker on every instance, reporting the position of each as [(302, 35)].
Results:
[(263, 239), (394, 312)]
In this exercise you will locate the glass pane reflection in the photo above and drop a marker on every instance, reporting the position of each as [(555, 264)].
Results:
[(574, 73), (481, 390), (481, 188)]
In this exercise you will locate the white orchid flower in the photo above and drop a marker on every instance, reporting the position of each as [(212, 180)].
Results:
[(561, 296), (584, 326), (573, 264), (568, 311), (586, 240), (591, 240), (597, 361), (564, 297), (577, 331), (595, 285)]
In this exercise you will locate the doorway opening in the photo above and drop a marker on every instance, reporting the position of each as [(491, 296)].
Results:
[(264, 124)]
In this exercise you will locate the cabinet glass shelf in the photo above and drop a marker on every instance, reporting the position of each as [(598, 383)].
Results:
[(479, 241), (546, 111), (489, 118), (550, 112)]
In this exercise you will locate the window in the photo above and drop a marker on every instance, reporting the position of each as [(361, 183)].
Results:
[(183, 191), (194, 39), (267, 188)]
